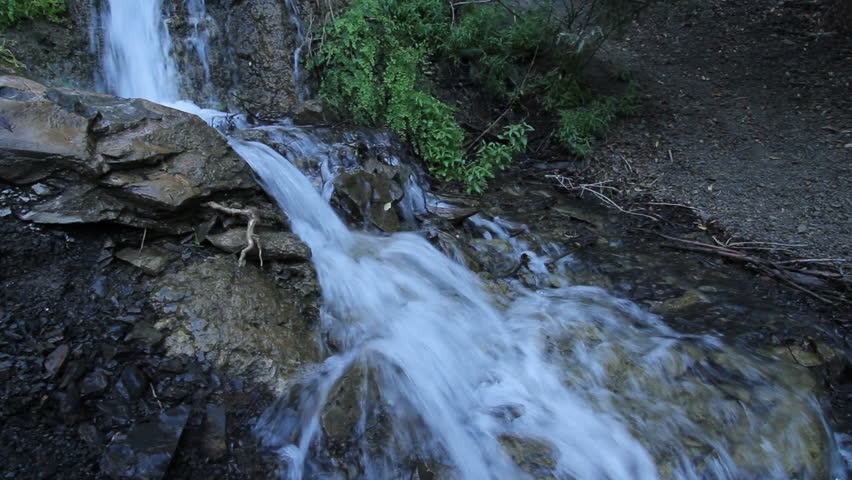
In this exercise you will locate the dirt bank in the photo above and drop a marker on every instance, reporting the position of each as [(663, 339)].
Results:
[(745, 117)]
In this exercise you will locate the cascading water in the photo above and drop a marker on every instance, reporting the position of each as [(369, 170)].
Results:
[(136, 58), (199, 39), (559, 383), (298, 74), (458, 373)]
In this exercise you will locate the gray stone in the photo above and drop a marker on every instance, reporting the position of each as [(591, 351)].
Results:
[(95, 382), (152, 260), (111, 159), (41, 189), (215, 432), (56, 359), (131, 384), (237, 318), (145, 333), (145, 451)]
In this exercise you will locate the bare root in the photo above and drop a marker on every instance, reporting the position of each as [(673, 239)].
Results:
[(252, 240)]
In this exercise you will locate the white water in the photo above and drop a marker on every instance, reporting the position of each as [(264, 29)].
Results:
[(458, 370), (452, 373), (136, 59), (199, 40), (298, 74)]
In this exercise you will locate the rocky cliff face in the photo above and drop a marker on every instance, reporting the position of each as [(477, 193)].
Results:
[(249, 48), (56, 54)]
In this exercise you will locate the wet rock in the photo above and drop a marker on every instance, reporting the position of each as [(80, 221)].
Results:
[(369, 197), (808, 355), (533, 457), (131, 384), (689, 299), (265, 83), (309, 113), (94, 383), (146, 333), (236, 318), (215, 428), (111, 159), (452, 213), (578, 211), (56, 359), (342, 411), (283, 246), (89, 434), (145, 451), (152, 260), (496, 256)]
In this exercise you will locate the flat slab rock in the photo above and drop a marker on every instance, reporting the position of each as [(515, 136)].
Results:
[(95, 157), (145, 451), (152, 260), (274, 245)]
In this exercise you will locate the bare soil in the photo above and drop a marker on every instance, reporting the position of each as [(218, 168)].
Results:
[(745, 118)]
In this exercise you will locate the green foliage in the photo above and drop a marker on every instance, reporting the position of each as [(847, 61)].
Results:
[(6, 55), (580, 127), (372, 61), (493, 156), (497, 47), (377, 60), (562, 90), (14, 11)]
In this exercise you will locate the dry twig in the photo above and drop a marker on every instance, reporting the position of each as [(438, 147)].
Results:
[(808, 281), (596, 189)]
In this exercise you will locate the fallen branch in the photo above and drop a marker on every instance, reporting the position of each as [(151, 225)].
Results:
[(253, 217), (804, 280), (597, 189)]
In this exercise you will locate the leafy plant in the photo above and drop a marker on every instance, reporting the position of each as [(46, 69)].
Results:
[(14, 11), (580, 127), (494, 156), (6, 54), (378, 60)]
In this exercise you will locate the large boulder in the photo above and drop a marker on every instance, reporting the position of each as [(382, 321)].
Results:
[(236, 318), (104, 158)]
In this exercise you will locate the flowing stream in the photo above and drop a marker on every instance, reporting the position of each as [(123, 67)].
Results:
[(449, 377)]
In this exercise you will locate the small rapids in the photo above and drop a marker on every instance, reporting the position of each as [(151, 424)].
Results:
[(451, 375), (456, 375)]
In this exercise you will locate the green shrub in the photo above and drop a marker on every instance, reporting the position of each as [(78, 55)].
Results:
[(7, 57), (493, 156), (13, 11), (372, 62), (580, 127)]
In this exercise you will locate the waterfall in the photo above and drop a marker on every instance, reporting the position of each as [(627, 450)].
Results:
[(587, 385), (298, 75), (459, 372), (199, 39), (136, 59)]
